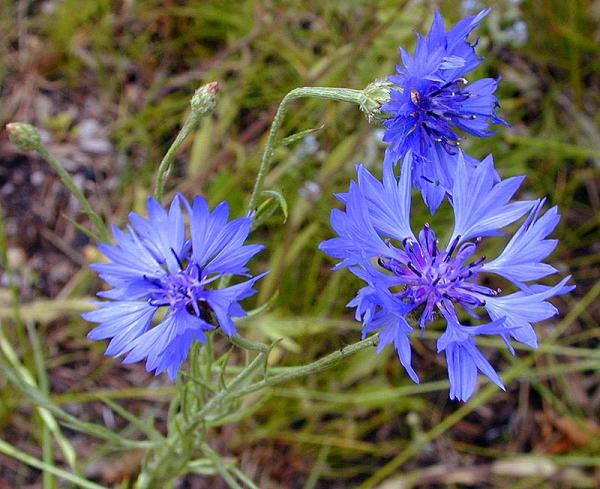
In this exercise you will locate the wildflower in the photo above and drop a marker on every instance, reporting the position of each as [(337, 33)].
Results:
[(433, 101), (408, 274), (155, 267)]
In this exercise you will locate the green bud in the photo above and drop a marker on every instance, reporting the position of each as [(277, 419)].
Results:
[(205, 99), (24, 136), (374, 96)]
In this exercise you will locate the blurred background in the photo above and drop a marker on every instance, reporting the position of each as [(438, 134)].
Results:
[(108, 83)]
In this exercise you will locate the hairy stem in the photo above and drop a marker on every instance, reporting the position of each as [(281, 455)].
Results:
[(247, 344), (170, 457), (102, 232), (339, 94), (202, 103), (164, 168), (317, 366)]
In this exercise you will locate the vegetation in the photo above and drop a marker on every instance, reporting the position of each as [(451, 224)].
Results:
[(109, 84)]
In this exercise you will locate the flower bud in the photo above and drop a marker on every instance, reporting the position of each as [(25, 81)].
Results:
[(24, 136), (375, 95), (204, 100)]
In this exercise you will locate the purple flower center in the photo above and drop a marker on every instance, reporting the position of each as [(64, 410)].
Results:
[(436, 108), (185, 288), (429, 276)]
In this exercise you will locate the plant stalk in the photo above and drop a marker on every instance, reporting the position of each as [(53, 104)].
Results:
[(340, 94), (102, 231), (170, 457), (202, 103)]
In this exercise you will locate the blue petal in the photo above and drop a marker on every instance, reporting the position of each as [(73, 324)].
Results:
[(366, 304), (134, 289), (520, 309), (464, 27), (167, 345), (480, 203), (217, 245), (462, 372), (389, 202), (208, 229), (224, 302), (358, 238), (123, 321), (394, 330), (163, 232), (433, 173), (521, 259), (463, 357), (131, 259), (480, 107), (464, 360)]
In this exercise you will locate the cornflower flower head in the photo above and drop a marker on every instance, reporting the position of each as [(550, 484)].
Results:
[(434, 101), (413, 274), (155, 267)]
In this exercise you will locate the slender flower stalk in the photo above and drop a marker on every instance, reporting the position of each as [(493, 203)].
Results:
[(368, 100), (412, 274), (164, 460), (27, 138), (203, 102)]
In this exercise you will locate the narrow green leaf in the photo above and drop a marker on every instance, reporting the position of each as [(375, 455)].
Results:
[(41, 400), (298, 136), (144, 426), (11, 451), (280, 199), (220, 465), (50, 424), (268, 207), (90, 234)]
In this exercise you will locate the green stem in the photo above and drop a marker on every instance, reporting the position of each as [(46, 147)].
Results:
[(317, 366), (169, 457), (164, 168), (66, 178), (339, 94), (220, 465), (202, 103), (246, 344), (170, 454)]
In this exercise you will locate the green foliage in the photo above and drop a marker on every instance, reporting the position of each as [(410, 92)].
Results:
[(363, 420)]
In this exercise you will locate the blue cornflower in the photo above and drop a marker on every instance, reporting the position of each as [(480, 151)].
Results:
[(408, 274), (155, 267), (434, 101)]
